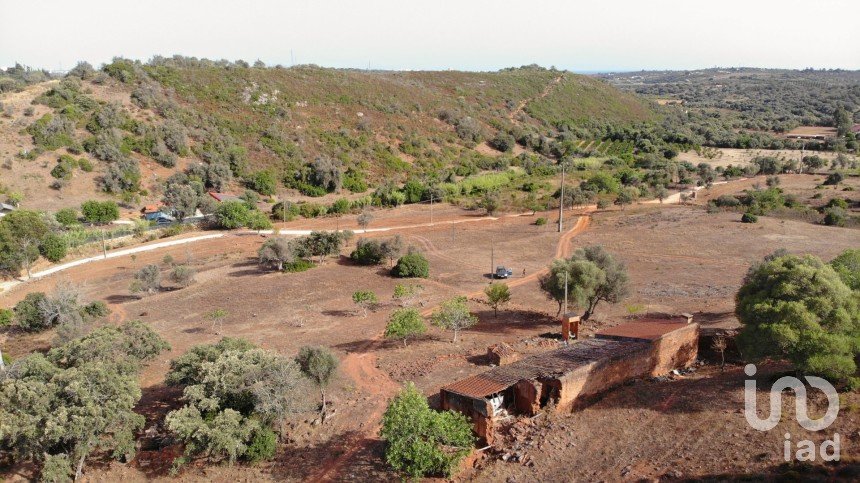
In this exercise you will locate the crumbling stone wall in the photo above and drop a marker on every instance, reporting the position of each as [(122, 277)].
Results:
[(676, 350)]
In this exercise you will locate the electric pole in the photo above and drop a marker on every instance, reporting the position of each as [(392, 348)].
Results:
[(431, 207), (492, 256), (561, 201), (104, 247)]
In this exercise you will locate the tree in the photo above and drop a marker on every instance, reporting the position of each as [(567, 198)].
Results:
[(422, 442), (403, 324), (627, 196), (27, 313), (319, 365), (842, 120), (364, 220), (593, 275), (720, 345), (321, 244), (847, 265), (217, 317), (21, 235), (490, 202), (57, 410), (182, 199), (147, 279), (454, 315), (412, 265), (798, 308), (365, 299), (326, 173), (406, 293), (183, 275), (276, 252), (373, 252), (100, 212), (661, 193), (63, 309), (498, 294), (263, 182)]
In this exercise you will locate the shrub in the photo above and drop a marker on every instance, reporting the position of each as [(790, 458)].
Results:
[(263, 445), (299, 265), (147, 279), (263, 182), (412, 265), (53, 247), (183, 275), (28, 316), (232, 214), (340, 206), (540, 221), (326, 173), (422, 442), (96, 309), (100, 212), (503, 142), (834, 178), (67, 217), (749, 218), (121, 177), (727, 201), (835, 217), (6, 317), (257, 220), (365, 299)]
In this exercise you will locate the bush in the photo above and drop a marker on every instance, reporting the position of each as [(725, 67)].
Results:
[(100, 212), (422, 442), (232, 214), (503, 142), (299, 265), (835, 217), (540, 221), (403, 324), (727, 201), (263, 445), (147, 279), (96, 309), (263, 182), (67, 217), (749, 218), (257, 220), (834, 179), (412, 265), (53, 247), (28, 316), (6, 317), (121, 176), (183, 275)]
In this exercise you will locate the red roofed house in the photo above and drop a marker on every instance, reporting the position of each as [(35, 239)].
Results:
[(221, 197)]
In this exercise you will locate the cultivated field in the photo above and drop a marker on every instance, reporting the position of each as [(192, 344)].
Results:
[(741, 157)]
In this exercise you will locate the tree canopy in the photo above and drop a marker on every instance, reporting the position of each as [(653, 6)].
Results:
[(593, 275)]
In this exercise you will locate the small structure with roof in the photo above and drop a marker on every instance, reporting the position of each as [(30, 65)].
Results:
[(570, 376), (502, 354), (5, 209), (222, 197)]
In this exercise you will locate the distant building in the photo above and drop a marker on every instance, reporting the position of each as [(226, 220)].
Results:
[(221, 197)]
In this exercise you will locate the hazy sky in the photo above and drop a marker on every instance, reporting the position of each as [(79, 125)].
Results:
[(440, 34)]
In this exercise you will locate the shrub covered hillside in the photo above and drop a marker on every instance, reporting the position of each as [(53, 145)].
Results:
[(124, 129)]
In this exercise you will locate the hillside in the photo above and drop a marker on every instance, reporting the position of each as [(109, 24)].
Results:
[(138, 124)]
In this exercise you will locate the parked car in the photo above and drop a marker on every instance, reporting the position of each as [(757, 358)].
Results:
[(503, 272)]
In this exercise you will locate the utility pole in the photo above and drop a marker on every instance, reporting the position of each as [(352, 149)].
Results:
[(104, 247), (561, 201), (492, 256), (565, 294), (431, 208)]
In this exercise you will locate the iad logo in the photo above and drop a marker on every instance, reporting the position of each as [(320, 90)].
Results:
[(829, 449)]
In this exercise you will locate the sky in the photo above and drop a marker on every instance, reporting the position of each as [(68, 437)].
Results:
[(599, 35)]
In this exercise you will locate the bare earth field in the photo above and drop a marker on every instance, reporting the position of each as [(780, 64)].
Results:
[(680, 258), (742, 157)]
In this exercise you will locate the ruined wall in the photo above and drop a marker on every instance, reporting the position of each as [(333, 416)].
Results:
[(527, 396), (576, 387), (478, 411), (676, 350)]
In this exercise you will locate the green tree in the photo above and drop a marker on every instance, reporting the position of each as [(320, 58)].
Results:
[(404, 294), (422, 442), (21, 234), (364, 220), (498, 294), (321, 244), (847, 265), (412, 265), (627, 196), (183, 199), (403, 324), (276, 252), (593, 275), (67, 217), (100, 212), (319, 365), (28, 316), (798, 308), (454, 315), (263, 182), (365, 299)]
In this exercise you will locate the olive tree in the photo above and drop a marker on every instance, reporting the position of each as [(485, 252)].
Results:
[(403, 324), (365, 299), (593, 275), (276, 252), (319, 365), (147, 280)]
